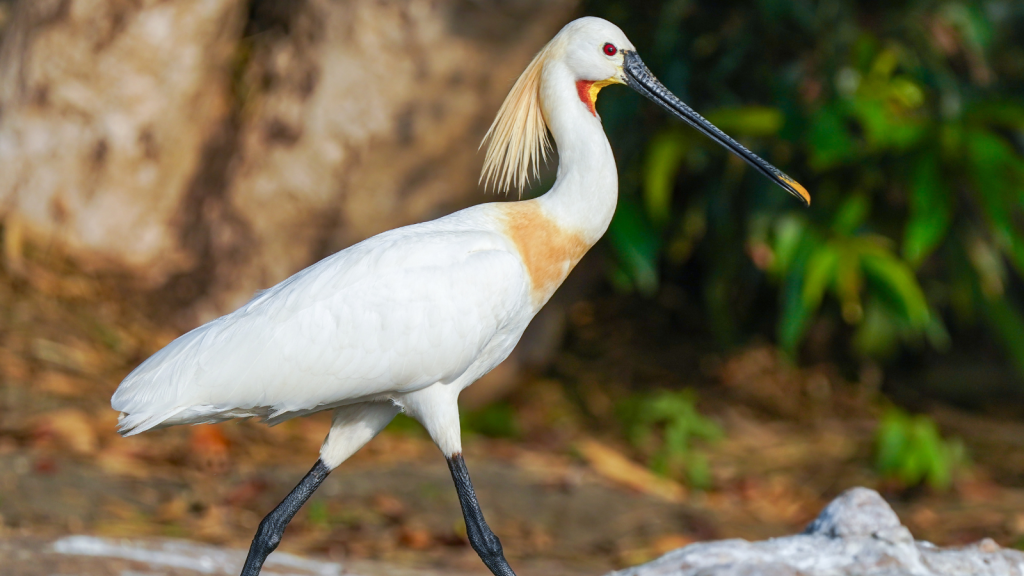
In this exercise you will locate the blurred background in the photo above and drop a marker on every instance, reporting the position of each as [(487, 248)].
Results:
[(722, 364)]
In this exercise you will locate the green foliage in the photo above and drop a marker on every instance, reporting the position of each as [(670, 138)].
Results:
[(405, 426), (876, 289), (664, 425), (318, 514), (910, 450), (904, 120), (497, 420), (637, 247)]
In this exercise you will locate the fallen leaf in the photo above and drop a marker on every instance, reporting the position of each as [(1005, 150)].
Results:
[(779, 499), (75, 356), (388, 506), (616, 467), (415, 537), (1016, 524), (13, 366), (213, 526), (122, 458), (60, 384), (45, 465), (670, 542), (173, 510), (209, 448), (245, 492), (977, 489), (70, 427), (924, 517)]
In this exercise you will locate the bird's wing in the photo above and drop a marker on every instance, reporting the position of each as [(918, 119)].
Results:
[(395, 313)]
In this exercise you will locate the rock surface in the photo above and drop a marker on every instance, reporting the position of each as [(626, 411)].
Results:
[(94, 556), (857, 534), (208, 148)]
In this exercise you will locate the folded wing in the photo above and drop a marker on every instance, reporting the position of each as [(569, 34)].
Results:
[(398, 312)]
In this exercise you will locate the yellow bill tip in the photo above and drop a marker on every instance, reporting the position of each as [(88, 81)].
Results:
[(800, 190)]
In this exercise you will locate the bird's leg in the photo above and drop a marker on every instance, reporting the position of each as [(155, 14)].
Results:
[(481, 538), (437, 408), (268, 535), (352, 427)]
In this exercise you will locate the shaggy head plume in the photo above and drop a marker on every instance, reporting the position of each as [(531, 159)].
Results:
[(518, 137)]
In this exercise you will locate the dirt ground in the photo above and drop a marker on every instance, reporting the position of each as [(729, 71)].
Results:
[(563, 490)]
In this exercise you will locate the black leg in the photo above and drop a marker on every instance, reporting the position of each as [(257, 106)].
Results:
[(268, 535), (481, 538)]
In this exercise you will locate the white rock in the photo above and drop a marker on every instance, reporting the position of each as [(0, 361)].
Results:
[(857, 534)]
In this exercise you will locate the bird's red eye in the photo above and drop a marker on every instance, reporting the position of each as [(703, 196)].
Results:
[(610, 49)]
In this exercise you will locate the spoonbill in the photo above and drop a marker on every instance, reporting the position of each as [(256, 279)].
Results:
[(407, 319)]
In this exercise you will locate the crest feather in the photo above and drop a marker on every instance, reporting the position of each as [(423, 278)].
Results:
[(518, 137)]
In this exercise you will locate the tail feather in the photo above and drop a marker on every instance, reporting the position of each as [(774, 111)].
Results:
[(132, 424)]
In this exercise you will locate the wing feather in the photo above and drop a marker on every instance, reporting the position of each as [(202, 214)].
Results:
[(400, 311)]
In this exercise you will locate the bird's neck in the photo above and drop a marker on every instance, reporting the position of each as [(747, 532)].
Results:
[(586, 189), (554, 231)]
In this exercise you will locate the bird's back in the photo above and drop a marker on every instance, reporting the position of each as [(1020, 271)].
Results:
[(397, 312)]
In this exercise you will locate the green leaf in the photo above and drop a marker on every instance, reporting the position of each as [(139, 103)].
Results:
[(675, 415), (664, 156), (878, 334), (637, 245), (747, 120), (698, 471), (998, 174), (812, 264), (892, 441), (906, 92), (821, 269), (911, 450), (886, 130), (901, 284), (930, 209), (795, 317), (318, 514), (1001, 113), (935, 465), (970, 22), (497, 420), (885, 64), (1008, 323), (687, 235), (789, 234), (848, 283), (852, 213), (829, 143)]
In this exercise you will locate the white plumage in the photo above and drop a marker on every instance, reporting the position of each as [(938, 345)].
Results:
[(410, 317), (441, 302)]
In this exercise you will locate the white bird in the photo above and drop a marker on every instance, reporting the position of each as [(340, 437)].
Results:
[(407, 319)]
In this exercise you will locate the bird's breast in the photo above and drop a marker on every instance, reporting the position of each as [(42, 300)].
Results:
[(549, 251)]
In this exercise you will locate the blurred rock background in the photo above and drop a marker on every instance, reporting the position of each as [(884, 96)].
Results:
[(204, 150)]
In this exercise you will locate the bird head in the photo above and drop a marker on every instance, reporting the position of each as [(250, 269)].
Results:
[(598, 54), (593, 49)]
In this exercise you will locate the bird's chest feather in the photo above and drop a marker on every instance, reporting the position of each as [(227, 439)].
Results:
[(549, 251)]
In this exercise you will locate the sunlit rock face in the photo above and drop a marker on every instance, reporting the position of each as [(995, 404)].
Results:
[(209, 148), (858, 534), (105, 108)]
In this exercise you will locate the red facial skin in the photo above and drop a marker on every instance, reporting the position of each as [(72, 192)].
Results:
[(583, 89)]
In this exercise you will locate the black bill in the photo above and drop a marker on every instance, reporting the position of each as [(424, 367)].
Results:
[(639, 78)]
